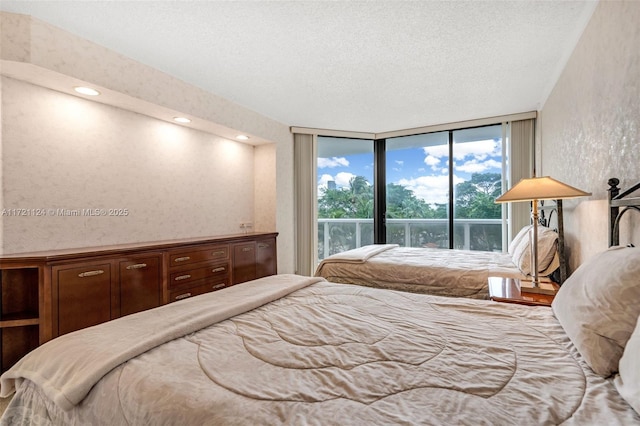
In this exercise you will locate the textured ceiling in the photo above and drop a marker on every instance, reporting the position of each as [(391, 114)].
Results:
[(370, 66)]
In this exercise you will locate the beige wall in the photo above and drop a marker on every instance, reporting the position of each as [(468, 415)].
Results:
[(265, 187), (64, 153), (589, 127), (237, 183)]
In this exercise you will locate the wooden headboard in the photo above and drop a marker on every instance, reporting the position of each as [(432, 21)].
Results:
[(619, 204)]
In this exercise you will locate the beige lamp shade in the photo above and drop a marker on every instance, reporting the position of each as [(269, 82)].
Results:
[(540, 188)]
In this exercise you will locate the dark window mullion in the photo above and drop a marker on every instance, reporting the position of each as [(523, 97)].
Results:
[(379, 192), (451, 195)]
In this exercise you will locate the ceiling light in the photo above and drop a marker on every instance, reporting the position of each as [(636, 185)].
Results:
[(86, 91), (242, 137), (181, 120)]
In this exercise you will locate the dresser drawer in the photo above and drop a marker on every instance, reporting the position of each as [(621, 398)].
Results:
[(82, 296), (218, 252), (179, 279), (211, 285)]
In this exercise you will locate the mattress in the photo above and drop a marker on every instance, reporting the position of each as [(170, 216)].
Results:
[(456, 273), (294, 350)]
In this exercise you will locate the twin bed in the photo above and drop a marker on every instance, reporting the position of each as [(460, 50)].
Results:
[(444, 272), (288, 349)]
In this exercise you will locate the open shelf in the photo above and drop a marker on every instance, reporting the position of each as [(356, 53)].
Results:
[(19, 317), (17, 342)]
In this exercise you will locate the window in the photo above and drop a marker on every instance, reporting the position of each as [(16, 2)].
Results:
[(478, 175), (417, 195), (438, 190), (345, 194)]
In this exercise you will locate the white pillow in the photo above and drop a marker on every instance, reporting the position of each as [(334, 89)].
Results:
[(524, 232), (599, 304), (547, 249), (628, 381)]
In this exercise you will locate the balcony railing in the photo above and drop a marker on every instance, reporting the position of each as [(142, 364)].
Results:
[(337, 235)]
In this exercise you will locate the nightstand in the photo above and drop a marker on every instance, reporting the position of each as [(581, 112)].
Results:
[(509, 290)]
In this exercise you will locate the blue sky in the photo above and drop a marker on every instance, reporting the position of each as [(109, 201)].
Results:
[(423, 170)]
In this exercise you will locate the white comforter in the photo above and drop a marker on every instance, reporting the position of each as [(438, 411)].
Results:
[(323, 354), (459, 273)]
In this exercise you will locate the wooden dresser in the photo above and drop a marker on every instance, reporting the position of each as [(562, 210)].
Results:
[(47, 294)]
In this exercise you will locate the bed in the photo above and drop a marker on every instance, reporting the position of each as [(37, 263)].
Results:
[(444, 272), (288, 349)]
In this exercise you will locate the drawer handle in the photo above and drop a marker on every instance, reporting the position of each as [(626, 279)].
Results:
[(137, 266), (263, 246), (218, 253), (218, 286), (91, 273), (183, 296), (220, 269), (181, 259), (182, 277), (245, 249)]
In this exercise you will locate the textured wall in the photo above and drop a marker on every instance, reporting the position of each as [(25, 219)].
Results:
[(265, 187), (590, 124), (38, 51), (29, 41), (65, 152)]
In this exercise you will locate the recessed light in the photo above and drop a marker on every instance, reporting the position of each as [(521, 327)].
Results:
[(181, 119), (86, 91), (242, 137)]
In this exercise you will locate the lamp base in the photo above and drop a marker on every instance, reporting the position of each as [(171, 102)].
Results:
[(526, 286)]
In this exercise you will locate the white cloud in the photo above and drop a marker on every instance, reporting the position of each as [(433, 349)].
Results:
[(475, 166), (324, 179), (342, 179), (477, 149), (400, 162), (332, 162), (432, 189), (437, 151), (432, 161)]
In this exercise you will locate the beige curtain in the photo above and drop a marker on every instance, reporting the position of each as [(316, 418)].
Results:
[(521, 166), (304, 151)]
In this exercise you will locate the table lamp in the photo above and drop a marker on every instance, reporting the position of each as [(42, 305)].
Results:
[(533, 190)]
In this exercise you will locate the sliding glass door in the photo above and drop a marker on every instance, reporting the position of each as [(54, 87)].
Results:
[(429, 175), (430, 190), (478, 171), (417, 190)]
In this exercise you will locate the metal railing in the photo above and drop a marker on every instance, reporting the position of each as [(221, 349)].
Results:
[(337, 235)]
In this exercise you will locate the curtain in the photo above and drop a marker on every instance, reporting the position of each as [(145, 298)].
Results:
[(521, 166), (304, 151)]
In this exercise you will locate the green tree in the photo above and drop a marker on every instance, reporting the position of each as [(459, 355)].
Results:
[(353, 202), (475, 198), (402, 203)]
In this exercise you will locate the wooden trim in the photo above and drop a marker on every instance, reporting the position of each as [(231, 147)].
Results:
[(37, 258)]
